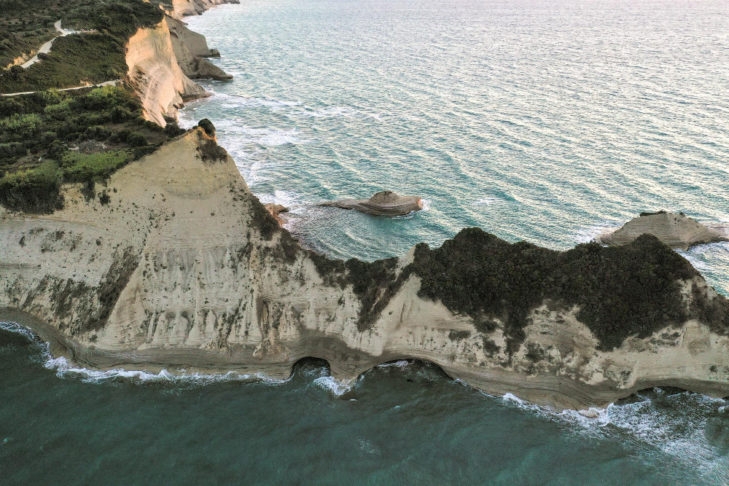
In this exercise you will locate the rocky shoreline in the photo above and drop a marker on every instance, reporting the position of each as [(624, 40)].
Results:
[(184, 268), (181, 267)]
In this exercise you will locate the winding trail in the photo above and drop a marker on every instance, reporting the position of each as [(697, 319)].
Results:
[(46, 48), (105, 83)]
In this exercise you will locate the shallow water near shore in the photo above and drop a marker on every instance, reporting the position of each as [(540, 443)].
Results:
[(402, 422), (543, 121)]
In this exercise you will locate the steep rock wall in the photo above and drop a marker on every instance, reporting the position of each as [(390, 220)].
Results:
[(156, 76), (190, 50), (183, 267)]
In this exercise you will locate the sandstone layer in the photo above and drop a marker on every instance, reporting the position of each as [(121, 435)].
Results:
[(178, 265), (155, 75), (383, 203), (675, 230)]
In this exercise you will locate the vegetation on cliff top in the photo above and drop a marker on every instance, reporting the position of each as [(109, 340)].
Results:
[(83, 136), (75, 59), (621, 291)]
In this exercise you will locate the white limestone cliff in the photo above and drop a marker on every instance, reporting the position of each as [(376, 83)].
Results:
[(155, 75), (183, 268)]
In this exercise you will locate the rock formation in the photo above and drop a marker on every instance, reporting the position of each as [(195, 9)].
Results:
[(183, 8), (191, 49), (675, 230), (383, 203), (178, 265), (155, 75), (275, 210)]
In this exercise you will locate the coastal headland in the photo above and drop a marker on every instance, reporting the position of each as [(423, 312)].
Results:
[(177, 265)]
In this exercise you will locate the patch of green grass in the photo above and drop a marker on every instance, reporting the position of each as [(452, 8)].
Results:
[(78, 167), (88, 134)]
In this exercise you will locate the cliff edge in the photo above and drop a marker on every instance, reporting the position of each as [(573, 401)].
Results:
[(176, 264), (155, 75)]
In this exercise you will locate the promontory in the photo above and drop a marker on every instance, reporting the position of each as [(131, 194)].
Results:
[(165, 259)]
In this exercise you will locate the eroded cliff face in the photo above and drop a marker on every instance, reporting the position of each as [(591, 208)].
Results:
[(155, 75), (183, 267), (191, 50), (182, 8)]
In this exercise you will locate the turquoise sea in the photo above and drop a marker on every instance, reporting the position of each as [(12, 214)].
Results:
[(547, 121)]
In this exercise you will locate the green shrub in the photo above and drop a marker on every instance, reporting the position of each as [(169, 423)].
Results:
[(79, 167), (22, 126), (32, 190)]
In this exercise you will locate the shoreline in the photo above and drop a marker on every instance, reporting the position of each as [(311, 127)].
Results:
[(185, 268), (552, 393)]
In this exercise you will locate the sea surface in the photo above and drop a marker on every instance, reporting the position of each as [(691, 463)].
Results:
[(549, 122)]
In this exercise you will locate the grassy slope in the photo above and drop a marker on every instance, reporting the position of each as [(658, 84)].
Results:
[(52, 137)]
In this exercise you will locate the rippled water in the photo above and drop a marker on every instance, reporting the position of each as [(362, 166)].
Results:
[(543, 121), (401, 423)]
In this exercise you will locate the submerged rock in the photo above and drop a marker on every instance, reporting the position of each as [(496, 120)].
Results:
[(674, 230), (383, 203)]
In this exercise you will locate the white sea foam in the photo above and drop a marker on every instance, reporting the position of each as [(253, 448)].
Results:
[(594, 232), (18, 329), (403, 363), (675, 426), (704, 257), (487, 201), (65, 369), (336, 388)]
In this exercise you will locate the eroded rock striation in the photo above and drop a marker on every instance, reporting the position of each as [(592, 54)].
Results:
[(162, 61), (182, 267), (675, 230), (383, 203), (155, 75)]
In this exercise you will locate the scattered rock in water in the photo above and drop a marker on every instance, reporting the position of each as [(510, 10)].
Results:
[(674, 229), (275, 210), (383, 203)]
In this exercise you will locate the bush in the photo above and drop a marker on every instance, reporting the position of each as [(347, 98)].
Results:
[(32, 190), (79, 167), (22, 126)]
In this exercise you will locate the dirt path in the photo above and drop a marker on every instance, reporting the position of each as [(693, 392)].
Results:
[(46, 48), (105, 83)]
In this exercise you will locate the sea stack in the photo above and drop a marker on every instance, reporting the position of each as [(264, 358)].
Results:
[(383, 203), (673, 229)]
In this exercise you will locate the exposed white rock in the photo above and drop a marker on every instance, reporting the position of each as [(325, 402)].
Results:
[(184, 268), (155, 75), (675, 230)]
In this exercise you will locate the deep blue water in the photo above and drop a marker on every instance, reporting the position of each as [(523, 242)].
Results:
[(543, 121)]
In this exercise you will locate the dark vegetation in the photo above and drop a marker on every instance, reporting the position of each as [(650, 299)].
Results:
[(371, 281), (50, 137), (621, 291), (78, 136), (75, 59)]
